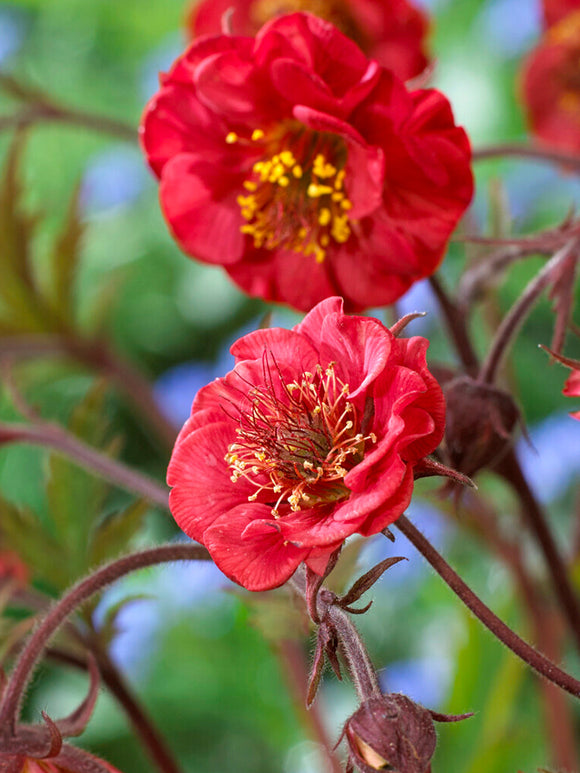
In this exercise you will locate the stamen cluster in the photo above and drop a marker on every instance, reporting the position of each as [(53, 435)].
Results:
[(299, 449)]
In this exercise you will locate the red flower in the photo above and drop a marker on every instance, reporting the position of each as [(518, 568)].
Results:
[(391, 31), (13, 568), (551, 85), (305, 169), (555, 10), (312, 437), (572, 385)]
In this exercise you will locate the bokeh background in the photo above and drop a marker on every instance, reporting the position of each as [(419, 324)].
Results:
[(202, 654)]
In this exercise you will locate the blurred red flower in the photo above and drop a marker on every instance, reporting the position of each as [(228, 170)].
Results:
[(572, 387), (13, 568), (555, 10), (66, 762), (305, 169), (391, 31), (312, 437), (551, 84)]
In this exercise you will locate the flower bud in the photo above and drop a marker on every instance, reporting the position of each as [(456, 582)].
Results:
[(390, 732), (480, 422)]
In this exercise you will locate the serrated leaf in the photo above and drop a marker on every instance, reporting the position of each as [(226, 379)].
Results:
[(101, 302), (23, 532), (114, 534), (63, 263), (18, 286), (77, 498)]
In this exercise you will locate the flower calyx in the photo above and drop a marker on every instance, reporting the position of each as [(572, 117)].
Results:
[(480, 422), (44, 742)]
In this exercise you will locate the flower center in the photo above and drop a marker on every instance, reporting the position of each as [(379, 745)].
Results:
[(295, 192), (298, 449)]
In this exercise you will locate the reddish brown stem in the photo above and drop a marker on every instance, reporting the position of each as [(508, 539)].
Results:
[(532, 513), (79, 593), (143, 726), (57, 438), (569, 160), (492, 622), (457, 325)]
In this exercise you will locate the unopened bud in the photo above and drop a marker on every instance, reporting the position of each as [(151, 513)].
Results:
[(479, 425), (390, 732)]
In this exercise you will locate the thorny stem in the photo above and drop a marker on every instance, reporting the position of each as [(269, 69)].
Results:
[(142, 724), (457, 325), (48, 435), (569, 160), (492, 622), (517, 313), (78, 594)]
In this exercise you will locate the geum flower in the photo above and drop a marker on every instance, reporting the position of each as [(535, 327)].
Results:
[(550, 85), (555, 10), (315, 435), (304, 168), (391, 31), (572, 385)]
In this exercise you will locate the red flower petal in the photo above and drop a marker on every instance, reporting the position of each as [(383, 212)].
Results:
[(249, 549)]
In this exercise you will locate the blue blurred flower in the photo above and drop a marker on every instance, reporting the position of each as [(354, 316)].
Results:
[(12, 27), (419, 298), (113, 178), (424, 680), (509, 27), (552, 462)]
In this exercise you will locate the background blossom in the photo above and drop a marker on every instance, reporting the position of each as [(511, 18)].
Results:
[(391, 31), (304, 168)]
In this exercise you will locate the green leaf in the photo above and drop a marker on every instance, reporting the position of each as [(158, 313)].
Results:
[(18, 287), (114, 534), (63, 263)]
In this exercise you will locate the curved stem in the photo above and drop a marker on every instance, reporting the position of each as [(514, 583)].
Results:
[(457, 325), (78, 594), (528, 151), (99, 357), (492, 622), (56, 437), (142, 724), (509, 468), (517, 313)]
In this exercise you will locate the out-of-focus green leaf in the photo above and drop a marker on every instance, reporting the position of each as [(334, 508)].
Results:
[(18, 286), (114, 534), (63, 263), (77, 498), (23, 532), (276, 616)]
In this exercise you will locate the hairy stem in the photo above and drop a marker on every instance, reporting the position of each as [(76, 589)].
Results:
[(362, 672), (492, 622), (78, 594), (57, 438), (141, 722)]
